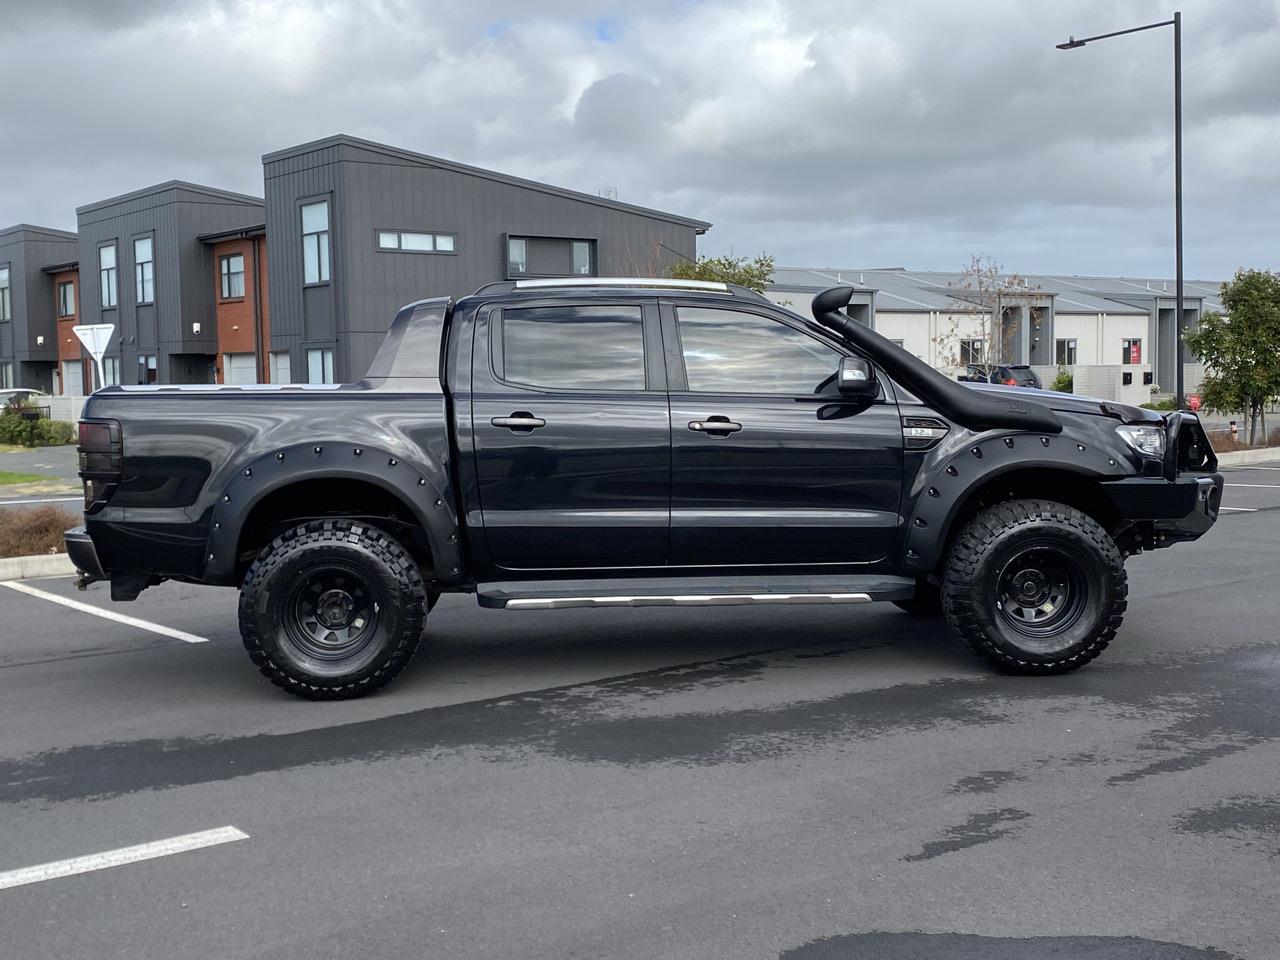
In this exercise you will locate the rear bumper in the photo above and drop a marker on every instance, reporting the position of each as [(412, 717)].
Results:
[(1177, 510), (83, 554)]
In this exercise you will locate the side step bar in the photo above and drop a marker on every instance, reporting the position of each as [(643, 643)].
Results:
[(691, 591)]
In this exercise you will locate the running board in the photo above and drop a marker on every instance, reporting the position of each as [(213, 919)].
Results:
[(692, 591)]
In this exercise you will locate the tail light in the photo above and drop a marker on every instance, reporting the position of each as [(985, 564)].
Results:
[(1011, 382), (101, 452)]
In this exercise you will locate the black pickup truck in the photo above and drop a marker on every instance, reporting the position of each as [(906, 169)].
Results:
[(571, 443)]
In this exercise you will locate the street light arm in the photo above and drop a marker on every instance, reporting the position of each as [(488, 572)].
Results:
[(1072, 42)]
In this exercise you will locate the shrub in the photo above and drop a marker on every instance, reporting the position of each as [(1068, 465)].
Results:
[(1064, 382), (17, 429), (1161, 405), (25, 533)]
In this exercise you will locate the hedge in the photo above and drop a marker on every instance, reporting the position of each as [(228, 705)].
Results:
[(17, 429)]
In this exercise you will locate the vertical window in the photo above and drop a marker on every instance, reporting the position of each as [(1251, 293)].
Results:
[(279, 367), (6, 375), (517, 256), (1131, 350), (315, 242), (144, 271), (320, 366), (6, 303), (232, 269), (147, 371), (972, 351), (66, 299), (107, 274), (73, 378), (582, 258), (1065, 352), (110, 371)]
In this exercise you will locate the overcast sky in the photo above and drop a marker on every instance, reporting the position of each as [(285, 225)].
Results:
[(855, 134)]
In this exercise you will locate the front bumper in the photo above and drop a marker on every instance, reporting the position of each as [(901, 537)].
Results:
[(83, 554), (1174, 511)]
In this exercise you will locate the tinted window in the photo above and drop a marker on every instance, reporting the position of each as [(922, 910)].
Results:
[(584, 348), (730, 352)]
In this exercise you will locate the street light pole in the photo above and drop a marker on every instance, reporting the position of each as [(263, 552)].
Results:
[(1176, 23)]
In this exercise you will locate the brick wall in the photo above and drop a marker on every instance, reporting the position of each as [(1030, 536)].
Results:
[(244, 323), (69, 346)]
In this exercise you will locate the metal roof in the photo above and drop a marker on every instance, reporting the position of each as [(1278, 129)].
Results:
[(902, 290)]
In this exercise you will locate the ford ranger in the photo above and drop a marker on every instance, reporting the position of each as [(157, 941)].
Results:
[(600, 443)]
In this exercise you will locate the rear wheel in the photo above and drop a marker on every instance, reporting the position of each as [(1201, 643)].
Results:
[(332, 609), (1035, 587)]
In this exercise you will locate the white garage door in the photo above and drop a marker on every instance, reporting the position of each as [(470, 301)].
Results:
[(239, 368)]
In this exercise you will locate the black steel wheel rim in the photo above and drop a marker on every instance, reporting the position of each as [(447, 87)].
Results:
[(1041, 593), (332, 613)]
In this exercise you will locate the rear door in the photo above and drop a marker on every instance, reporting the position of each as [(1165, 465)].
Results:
[(572, 435), (771, 465)]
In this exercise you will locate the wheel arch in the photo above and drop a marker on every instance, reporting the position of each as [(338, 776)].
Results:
[(303, 471), (998, 468)]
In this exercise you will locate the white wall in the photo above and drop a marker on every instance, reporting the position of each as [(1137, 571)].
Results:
[(911, 328), (1084, 329)]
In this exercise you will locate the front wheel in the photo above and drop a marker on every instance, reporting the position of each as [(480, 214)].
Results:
[(332, 609), (1035, 587)]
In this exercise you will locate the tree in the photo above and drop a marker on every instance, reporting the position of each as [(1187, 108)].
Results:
[(1241, 348), (986, 305), (753, 274)]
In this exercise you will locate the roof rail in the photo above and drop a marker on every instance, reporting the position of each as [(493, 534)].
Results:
[(709, 286)]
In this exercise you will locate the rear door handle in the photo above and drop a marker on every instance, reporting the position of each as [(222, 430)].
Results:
[(520, 420), (716, 426)]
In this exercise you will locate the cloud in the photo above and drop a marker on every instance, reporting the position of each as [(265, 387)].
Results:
[(826, 133)]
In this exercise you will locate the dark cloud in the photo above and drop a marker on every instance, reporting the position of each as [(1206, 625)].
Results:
[(888, 131)]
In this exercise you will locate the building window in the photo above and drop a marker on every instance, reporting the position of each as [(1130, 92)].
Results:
[(315, 242), (1131, 350), (574, 348), (107, 274), (144, 271), (6, 301), (6, 375), (550, 257), (232, 269), (147, 372), (66, 299), (972, 351), (110, 371), (415, 242), (278, 367), (517, 256), (1064, 352), (320, 366), (582, 258)]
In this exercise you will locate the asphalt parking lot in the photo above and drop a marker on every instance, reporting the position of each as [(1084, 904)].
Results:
[(807, 783)]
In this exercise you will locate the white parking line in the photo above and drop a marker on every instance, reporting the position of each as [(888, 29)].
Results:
[(1242, 467), (105, 614), (1257, 486), (19, 503), (116, 858), (1241, 509)]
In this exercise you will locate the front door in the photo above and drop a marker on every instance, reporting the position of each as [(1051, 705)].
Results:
[(770, 464), (572, 435)]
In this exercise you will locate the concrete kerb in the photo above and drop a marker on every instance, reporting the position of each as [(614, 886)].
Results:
[(1239, 457), (42, 565)]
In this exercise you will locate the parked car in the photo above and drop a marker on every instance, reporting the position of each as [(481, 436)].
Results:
[(601, 443), (1011, 375), (30, 400)]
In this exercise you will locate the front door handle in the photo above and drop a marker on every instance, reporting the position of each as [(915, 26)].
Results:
[(519, 421), (716, 426)]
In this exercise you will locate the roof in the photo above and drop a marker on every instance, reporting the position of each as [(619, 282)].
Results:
[(342, 139), (902, 290), (61, 267), (212, 192), (47, 233), (235, 233)]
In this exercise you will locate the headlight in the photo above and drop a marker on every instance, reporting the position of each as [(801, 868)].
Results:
[(1148, 441)]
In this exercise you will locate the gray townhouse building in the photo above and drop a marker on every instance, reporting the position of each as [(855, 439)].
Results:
[(28, 331), (357, 229), (144, 268)]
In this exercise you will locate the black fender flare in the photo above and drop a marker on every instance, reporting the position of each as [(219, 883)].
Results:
[(419, 485), (939, 492)]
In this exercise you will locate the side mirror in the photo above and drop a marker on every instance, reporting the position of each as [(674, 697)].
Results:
[(857, 378)]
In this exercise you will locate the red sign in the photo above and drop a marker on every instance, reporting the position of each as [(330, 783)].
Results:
[(1135, 352), (1193, 401)]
